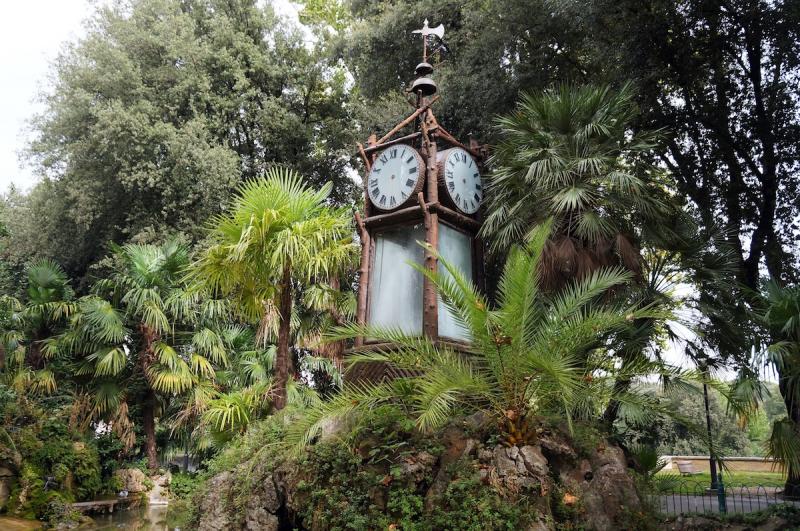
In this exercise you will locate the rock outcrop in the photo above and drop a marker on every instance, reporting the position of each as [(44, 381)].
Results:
[(550, 478), (7, 479), (131, 479)]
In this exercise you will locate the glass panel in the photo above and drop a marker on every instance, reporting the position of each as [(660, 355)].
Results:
[(395, 297), (456, 248)]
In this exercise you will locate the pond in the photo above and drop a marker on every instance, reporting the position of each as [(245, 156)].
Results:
[(152, 518)]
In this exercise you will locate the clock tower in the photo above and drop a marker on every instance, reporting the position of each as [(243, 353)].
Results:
[(420, 185)]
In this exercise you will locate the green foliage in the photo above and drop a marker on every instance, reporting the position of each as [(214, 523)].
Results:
[(55, 465), (183, 485), (570, 155), (159, 111), (672, 436), (468, 504), (532, 355), (344, 489), (27, 327)]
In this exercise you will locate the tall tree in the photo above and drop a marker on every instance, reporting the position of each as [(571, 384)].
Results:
[(278, 232), (493, 50), (722, 76), (28, 327), (143, 338), (783, 320), (570, 156), (155, 116)]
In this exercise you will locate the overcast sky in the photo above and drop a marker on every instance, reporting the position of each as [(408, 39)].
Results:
[(31, 35)]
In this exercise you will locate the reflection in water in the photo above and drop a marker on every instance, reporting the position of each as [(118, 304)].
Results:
[(153, 518), (9, 523)]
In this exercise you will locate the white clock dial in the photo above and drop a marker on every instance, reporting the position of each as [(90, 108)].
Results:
[(461, 179), (395, 177)]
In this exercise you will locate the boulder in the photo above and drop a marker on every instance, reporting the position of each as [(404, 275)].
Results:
[(609, 492), (131, 479), (212, 507), (534, 461), (508, 462), (259, 512)]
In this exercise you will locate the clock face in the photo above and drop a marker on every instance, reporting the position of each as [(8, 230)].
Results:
[(462, 180), (395, 177)]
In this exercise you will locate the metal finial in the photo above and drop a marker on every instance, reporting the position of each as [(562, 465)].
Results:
[(425, 31)]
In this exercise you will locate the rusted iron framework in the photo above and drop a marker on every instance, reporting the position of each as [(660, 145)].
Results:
[(427, 137)]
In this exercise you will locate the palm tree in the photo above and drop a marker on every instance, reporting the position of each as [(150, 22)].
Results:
[(783, 321), (528, 356), (277, 233), (28, 328), (144, 338), (572, 155)]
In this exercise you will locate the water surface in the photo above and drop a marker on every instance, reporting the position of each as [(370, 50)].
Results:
[(149, 518)]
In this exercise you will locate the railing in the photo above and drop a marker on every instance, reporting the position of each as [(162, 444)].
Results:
[(693, 497)]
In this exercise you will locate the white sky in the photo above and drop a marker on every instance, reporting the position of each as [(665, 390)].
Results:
[(31, 35)]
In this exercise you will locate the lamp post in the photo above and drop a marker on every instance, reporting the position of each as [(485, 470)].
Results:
[(712, 458)]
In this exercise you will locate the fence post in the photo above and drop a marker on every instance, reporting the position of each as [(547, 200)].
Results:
[(723, 506)]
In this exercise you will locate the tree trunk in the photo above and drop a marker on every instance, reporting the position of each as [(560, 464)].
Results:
[(35, 356), (335, 349), (792, 486), (282, 359), (149, 421)]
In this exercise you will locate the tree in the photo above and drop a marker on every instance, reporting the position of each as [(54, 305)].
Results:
[(278, 232), (27, 329), (493, 51), (720, 75), (144, 338), (528, 356), (570, 155), (159, 112), (783, 320)]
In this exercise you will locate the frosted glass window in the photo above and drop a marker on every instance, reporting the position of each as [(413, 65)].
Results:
[(395, 297), (456, 248)]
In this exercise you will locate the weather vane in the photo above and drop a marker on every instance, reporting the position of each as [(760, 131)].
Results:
[(425, 31)]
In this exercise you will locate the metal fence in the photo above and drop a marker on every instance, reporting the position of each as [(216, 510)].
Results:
[(693, 497)]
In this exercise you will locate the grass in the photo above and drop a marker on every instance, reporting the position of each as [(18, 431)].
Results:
[(667, 480)]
